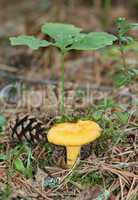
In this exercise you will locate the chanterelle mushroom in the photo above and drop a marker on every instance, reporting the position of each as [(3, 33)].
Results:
[(73, 136)]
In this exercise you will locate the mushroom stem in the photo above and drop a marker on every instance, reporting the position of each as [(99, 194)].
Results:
[(72, 154)]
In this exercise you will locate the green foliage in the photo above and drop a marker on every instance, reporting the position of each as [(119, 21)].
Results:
[(2, 122), (66, 37), (122, 117), (3, 157), (6, 193), (63, 34), (123, 27), (121, 79), (91, 178), (30, 41), (113, 52), (14, 156), (93, 41), (49, 151), (60, 31), (97, 115), (19, 166), (133, 46), (112, 119), (106, 103), (126, 75)]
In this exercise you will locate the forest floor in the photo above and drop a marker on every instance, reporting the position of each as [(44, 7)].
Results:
[(108, 168)]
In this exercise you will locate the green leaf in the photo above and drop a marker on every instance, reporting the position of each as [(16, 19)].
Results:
[(68, 37), (121, 79), (19, 166), (124, 26), (93, 41), (135, 71), (29, 172), (3, 157), (134, 26), (2, 121), (60, 31), (106, 103), (122, 117), (97, 115), (30, 41), (131, 46), (63, 34), (126, 40)]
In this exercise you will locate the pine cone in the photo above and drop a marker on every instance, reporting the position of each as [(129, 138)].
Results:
[(28, 129)]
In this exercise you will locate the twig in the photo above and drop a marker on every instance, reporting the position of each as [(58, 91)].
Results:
[(34, 189), (121, 187), (129, 192), (119, 172), (65, 177)]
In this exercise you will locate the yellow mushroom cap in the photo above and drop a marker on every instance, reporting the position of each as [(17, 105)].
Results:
[(74, 134)]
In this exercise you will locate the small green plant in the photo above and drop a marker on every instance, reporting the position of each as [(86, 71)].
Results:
[(91, 178), (20, 159), (65, 37), (126, 74), (6, 192)]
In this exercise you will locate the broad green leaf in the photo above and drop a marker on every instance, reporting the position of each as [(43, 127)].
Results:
[(30, 41), (19, 166), (93, 41), (59, 30), (63, 34)]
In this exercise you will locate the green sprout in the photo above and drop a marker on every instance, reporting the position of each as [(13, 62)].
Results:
[(126, 74), (65, 37)]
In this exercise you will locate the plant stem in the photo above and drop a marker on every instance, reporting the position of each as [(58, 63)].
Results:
[(123, 57), (62, 85)]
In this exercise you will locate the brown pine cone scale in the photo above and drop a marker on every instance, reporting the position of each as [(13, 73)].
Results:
[(28, 129)]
